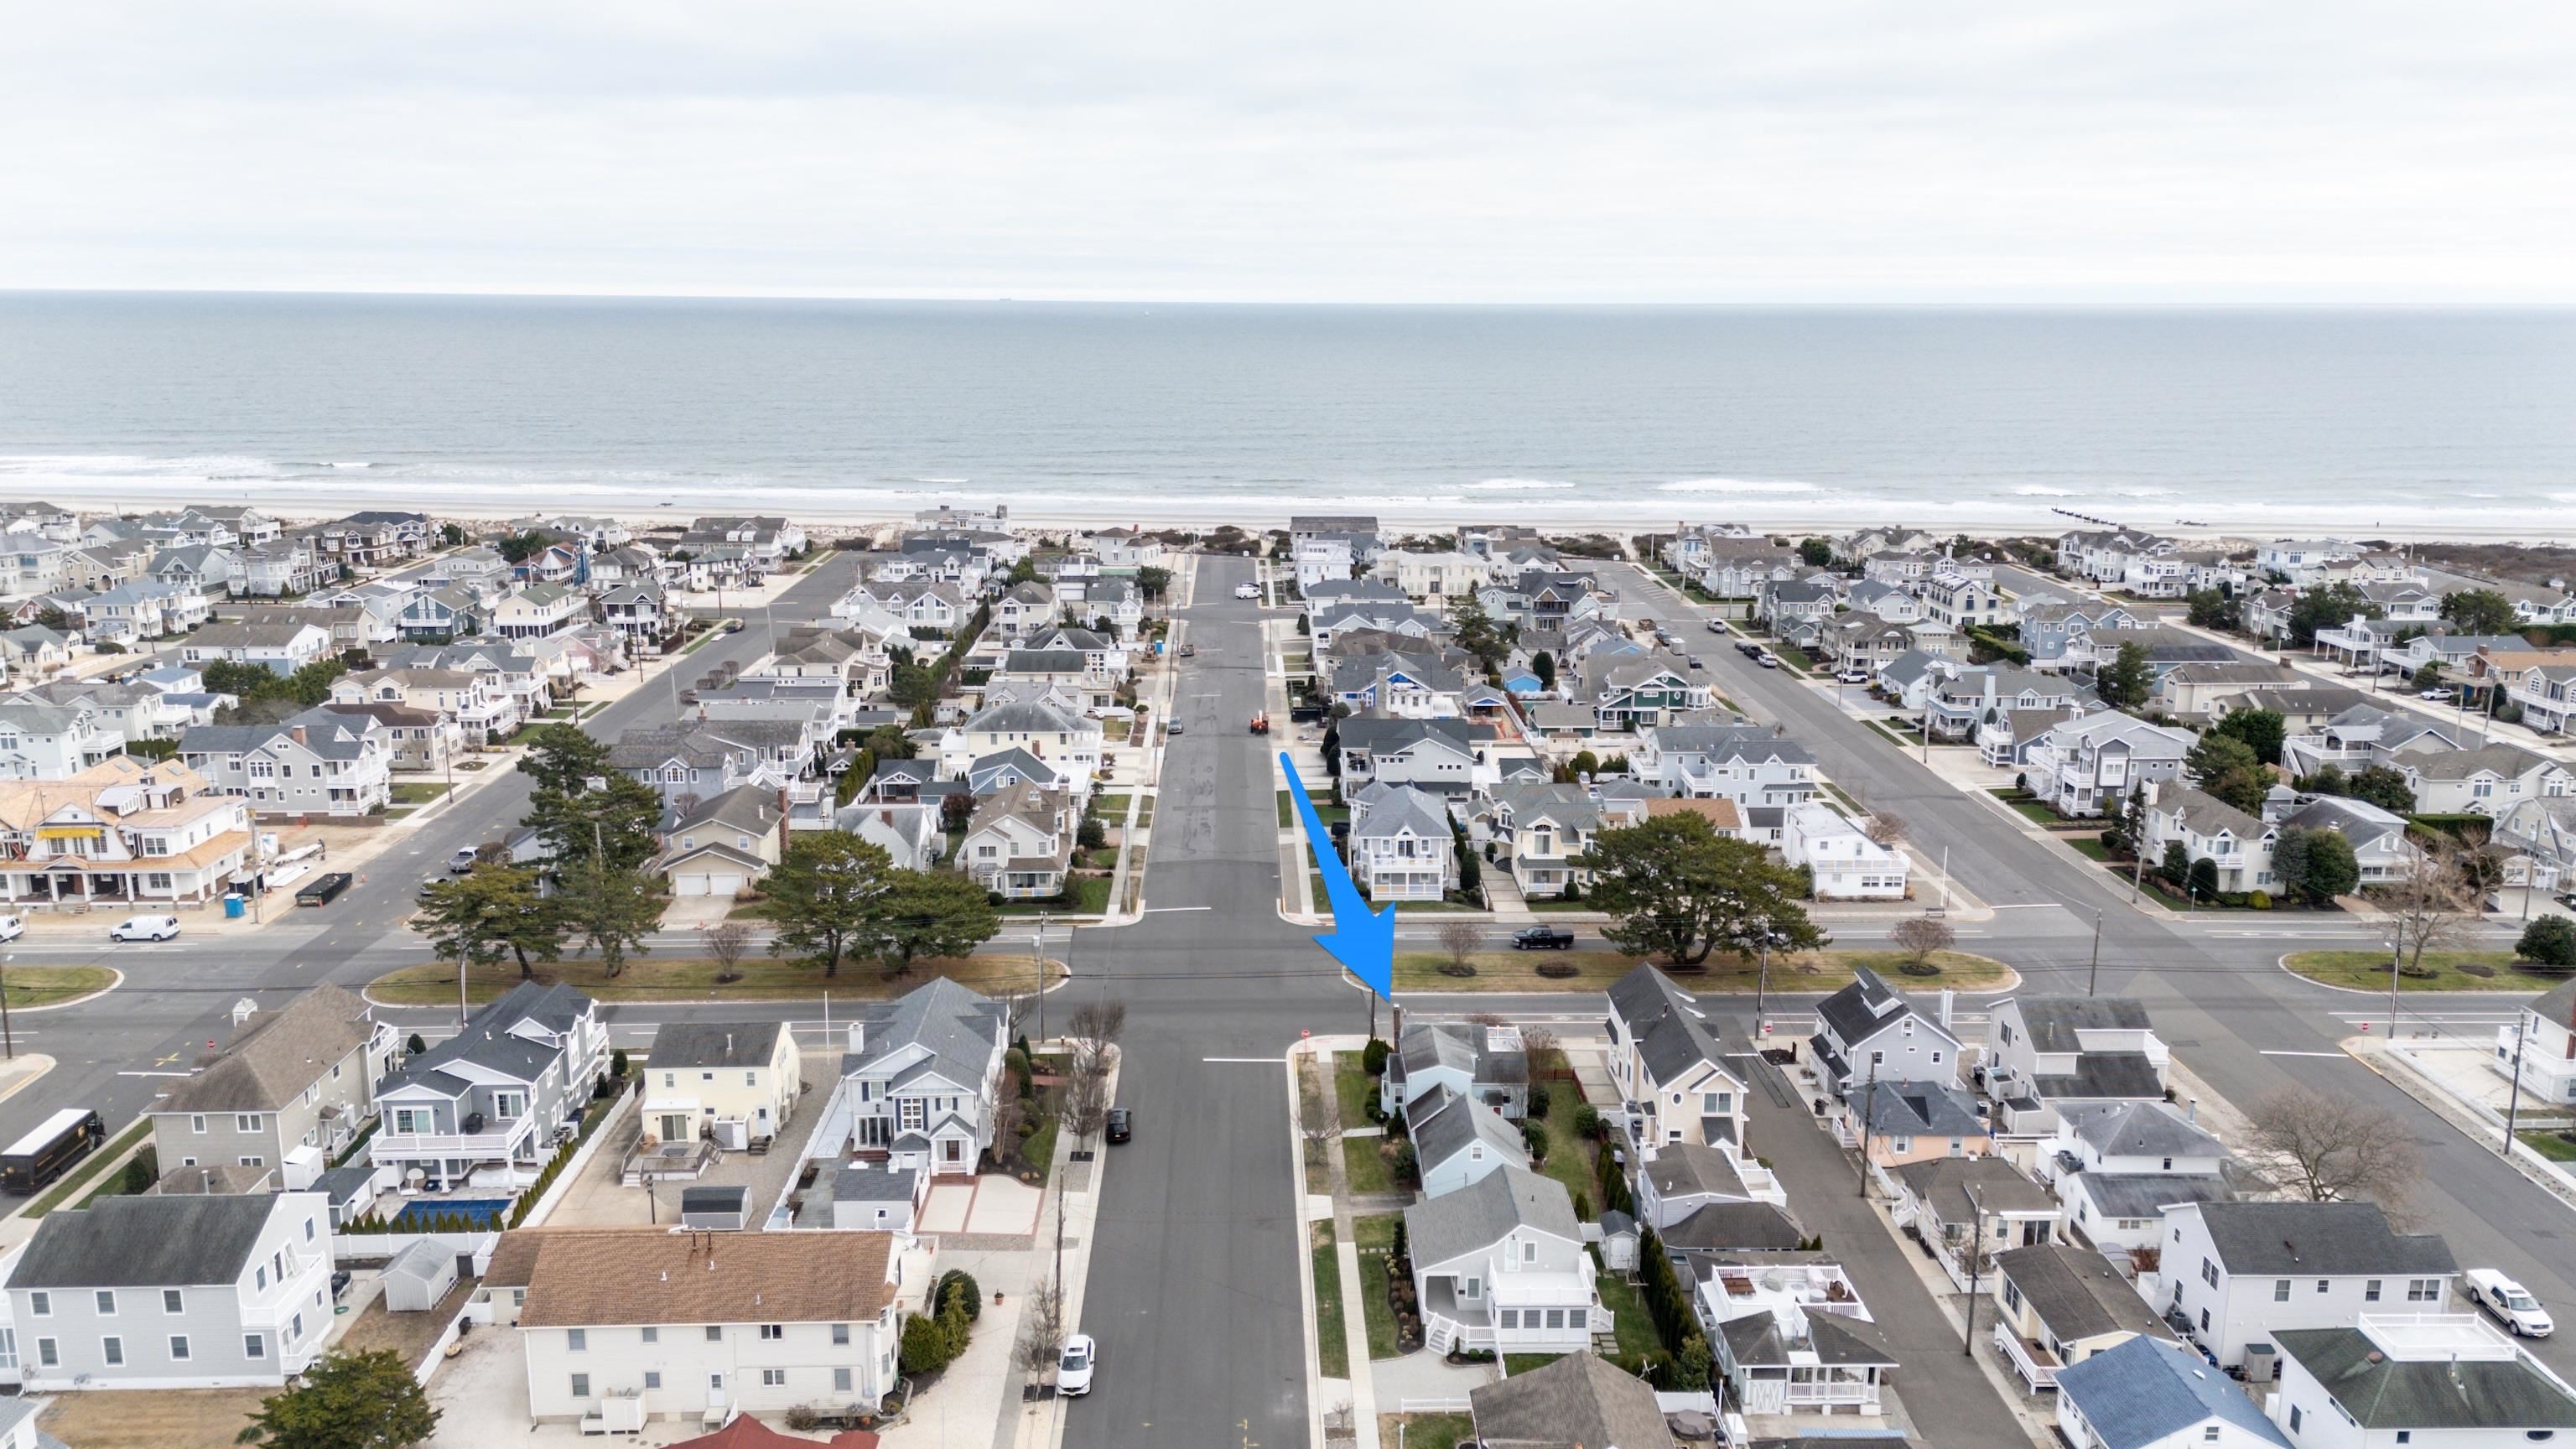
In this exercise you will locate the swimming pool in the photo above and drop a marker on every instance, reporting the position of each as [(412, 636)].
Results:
[(483, 1212)]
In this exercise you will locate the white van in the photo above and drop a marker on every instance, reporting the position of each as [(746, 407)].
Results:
[(2508, 1301), (145, 928)]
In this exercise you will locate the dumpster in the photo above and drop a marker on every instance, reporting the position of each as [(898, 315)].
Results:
[(232, 907)]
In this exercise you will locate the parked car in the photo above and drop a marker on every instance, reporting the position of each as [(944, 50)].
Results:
[(1694, 662), (1854, 676), (1666, 638), (145, 928), (1542, 938), (1073, 1370), (11, 927), (1174, 728), (733, 626), (1189, 651), (461, 862), (320, 892), (1767, 659), (1247, 591), (2510, 1302), (2438, 696), (426, 886), (1122, 1124), (1747, 648), (1717, 626)]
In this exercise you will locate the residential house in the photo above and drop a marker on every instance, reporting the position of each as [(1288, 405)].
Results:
[(1579, 1398), (2062, 1305), (1842, 862), (1964, 601), (706, 758), (2542, 833), (135, 711), (2150, 1394), (723, 845), (2367, 735), (1401, 846), (637, 611), (1634, 694), (474, 707), (1787, 1360), (36, 565), (2539, 1045), (619, 1327), (2488, 780), (1670, 1068), (539, 610), (283, 648), (1968, 1209), (1434, 755), (2416, 1378), (289, 1092), (2236, 1273), (2166, 649), (33, 651), (1459, 1141), (1069, 744), (1893, 1123), (1026, 608), (1678, 1179), (734, 1081), (1869, 1031), (1488, 1063), (375, 538), (2005, 740), (920, 1080), (1117, 603), (1890, 601), (2058, 634), (2237, 845), (488, 1105), (1500, 1264), (126, 831), (2116, 1167), (1019, 843), (1981, 694), (1795, 609), (2303, 709), (2091, 764), (1747, 764), (1544, 831), (1436, 577), (314, 763), (2191, 691), (40, 741), (2045, 1053), (416, 740), (162, 1292)]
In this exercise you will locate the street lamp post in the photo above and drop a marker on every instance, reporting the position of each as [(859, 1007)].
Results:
[(2513, 1100), (1976, 1261), (8, 1038), (2093, 973)]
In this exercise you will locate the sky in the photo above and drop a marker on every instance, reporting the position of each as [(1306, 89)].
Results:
[(1439, 151)]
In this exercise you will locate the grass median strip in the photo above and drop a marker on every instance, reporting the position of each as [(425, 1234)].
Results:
[(1332, 1344), (47, 985), (1364, 1158), (1352, 1089), (87, 1181), (2368, 971), (1517, 971), (678, 978)]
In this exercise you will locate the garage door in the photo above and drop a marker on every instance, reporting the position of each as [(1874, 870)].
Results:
[(706, 883)]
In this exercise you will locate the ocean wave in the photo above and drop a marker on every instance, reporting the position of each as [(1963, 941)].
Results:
[(1736, 485), (2042, 490), (1517, 485)]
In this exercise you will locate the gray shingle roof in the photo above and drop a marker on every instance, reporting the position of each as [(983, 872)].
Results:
[(2077, 1292), (1578, 1399), (2147, 1390), (1686, 1169), (2146, 1194), (2380, 1392), (1445, 1123), (1719, 1226), (1441, 1228), (2319, 1239), (145, 1242), (1923, 1109), (2052, 1022), (1671, 1034), (956, 1026), (1756, 1339), (2140, 1129), (281, 1054), (714, 1044)]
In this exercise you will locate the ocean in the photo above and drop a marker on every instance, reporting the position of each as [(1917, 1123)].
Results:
[(2415, 422)]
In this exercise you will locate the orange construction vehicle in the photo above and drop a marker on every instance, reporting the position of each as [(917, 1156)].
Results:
[(1261, 724)]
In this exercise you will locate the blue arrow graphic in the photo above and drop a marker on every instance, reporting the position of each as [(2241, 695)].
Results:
[(1362, 940)]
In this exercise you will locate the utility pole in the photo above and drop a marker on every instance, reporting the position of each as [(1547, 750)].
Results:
[(1976, 1261), (2513, 1101), (1868, 1109), (1042, 985), (2093, 973), (1761, 986), (8, 1038), (2396, 954)]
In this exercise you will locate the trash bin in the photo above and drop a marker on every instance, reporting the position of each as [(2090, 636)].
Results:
[(232, 907)]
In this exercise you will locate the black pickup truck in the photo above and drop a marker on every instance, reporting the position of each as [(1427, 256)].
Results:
[(1542, 938)]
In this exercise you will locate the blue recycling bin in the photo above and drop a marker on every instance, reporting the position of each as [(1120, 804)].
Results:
[(233, 907)]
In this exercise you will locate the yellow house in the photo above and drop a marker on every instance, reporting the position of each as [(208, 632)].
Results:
[(733, 1081)]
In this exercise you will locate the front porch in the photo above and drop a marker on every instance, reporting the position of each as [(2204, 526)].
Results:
[(2036, 1365), (1448, 1322)]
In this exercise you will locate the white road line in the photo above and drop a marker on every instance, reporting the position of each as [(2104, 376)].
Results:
[(2029, 906), (1167, 910), (156, 1074), (2331, 1055), (1243, 1061)]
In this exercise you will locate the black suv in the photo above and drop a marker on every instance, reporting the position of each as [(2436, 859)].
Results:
[(1122, 1124)]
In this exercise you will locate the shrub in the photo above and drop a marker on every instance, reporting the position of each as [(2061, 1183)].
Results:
[(1534, 1137), (2258, 900), (140, 1173), (618, 1063), (1373, 1057), (2473, 968), (1403, 1163), (2549, 941), (1538, 1095), (1583, 1207), (925, 1347), (802, 1418), (415, 1046), (1018, 1063), (1587, 1122), (1573, 891), (956, 1281), (1559, 970)]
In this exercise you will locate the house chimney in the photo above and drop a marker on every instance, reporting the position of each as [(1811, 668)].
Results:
[(1948, 999), (858, 1036), (298, 732)]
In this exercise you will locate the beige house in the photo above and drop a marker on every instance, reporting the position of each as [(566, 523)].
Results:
[(736, 1082), (125, 831), (290, 1090)]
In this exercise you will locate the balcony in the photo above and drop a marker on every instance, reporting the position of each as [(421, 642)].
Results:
[(2036, 1365), (407, 1146)]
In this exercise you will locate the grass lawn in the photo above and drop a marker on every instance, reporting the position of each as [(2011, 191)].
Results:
[(160, 1419), (1332, 1348), (1038, 1149), (1426, 1431), (1517, 971), (1629, 1319), (1352, 1089), (1849, 804), (1569, 1158), (1325, 810), (1145, 814), (701, 642), (45, 985), (1085, 895), (1559, 903), (84, 1176), (2368, 971), (413, 792), (1112, 808), (2090, 847), (1365, 1160), (1521, 1363), (1374, 1236), (2549, 1144), (673, 978)]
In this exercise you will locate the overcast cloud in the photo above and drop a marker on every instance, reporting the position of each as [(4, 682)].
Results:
[(1323, 151)]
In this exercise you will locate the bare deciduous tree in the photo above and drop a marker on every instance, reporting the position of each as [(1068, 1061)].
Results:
[(1920, 936), (726, 942), (2428, 909), (1461, 940), (2330, 1148), (1315, 1124), (1041, 1329), (1092, 1036), (1885, 828)]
